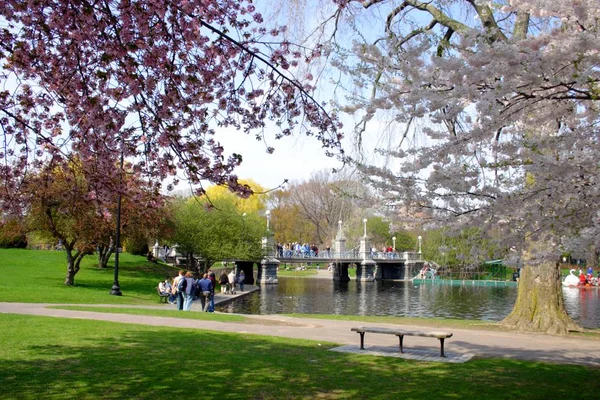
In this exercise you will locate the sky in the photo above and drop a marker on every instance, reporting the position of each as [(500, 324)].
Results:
[(295, 158)]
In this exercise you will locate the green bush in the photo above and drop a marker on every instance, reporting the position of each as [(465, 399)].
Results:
[(137, 245)]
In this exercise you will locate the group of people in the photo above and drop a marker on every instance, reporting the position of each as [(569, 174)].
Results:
[(185, 288), (305, 250), (588, 279)]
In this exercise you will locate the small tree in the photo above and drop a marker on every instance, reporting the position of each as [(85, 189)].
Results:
[(63, 208), (207, 232)]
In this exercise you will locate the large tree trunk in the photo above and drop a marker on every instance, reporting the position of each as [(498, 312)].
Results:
[(540, 306)]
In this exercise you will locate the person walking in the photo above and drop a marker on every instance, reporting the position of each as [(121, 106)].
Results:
[(224, 281), (231, 278), (205, 284), (242, 280)]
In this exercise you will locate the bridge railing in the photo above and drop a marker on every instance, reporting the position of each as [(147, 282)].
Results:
[(352, 254)]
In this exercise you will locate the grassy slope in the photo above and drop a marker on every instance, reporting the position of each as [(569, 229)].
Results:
[(36, 276)]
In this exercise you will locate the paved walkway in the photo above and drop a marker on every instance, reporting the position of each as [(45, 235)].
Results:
[(465, 343)]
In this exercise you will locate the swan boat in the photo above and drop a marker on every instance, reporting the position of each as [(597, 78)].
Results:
[(573, 281)]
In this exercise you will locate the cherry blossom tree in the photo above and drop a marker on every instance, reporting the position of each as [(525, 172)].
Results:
[(63, 204), (496, 108), (156, 81)]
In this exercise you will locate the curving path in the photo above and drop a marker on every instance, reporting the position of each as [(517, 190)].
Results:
[(484, 343)]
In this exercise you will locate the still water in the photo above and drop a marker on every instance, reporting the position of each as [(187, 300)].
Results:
[(323, 296)]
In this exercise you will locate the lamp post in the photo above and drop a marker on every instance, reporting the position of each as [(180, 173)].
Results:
[(116, 289), (394, 244), (268, 213), (365, 226), (419, 240)]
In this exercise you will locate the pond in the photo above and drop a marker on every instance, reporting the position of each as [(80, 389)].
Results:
[(324, 296)]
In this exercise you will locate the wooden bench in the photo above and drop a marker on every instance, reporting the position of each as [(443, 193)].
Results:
[(401, 333), (164, 297)]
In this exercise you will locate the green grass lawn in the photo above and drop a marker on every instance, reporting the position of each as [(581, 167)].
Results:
[(55, 358), (36, 276)]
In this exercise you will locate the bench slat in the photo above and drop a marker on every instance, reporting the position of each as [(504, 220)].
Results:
[(397, 332)]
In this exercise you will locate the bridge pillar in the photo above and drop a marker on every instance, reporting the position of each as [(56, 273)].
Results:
[(340, 271), (339, 243), (267, 271), (366, 271)]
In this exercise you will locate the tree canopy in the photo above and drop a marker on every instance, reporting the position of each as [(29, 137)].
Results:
[(496, 109), (496, 105), (154, 81), (216, 230)]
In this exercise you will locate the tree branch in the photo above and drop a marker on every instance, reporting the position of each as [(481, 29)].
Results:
[(521, 25), (486, 16)]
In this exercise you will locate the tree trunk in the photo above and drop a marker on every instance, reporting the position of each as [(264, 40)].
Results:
[(104, 253), (71, 269), (540, 306)]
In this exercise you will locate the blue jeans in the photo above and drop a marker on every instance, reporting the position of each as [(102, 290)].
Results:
[(187, 301), (211, 305), (179, 300)]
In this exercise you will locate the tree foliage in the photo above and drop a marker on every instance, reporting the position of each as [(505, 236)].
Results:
[(253, 204), (216, 230), (309, 211), (156, 82), (13, 233), (64, 205)]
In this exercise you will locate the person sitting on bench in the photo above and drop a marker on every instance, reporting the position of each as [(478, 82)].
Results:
[(164, 287)]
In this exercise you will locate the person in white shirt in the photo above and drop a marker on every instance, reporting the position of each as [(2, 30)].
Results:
[(231, 278)]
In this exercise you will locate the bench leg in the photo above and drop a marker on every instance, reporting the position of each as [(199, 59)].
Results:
[(442, 347), (401, 337), (362, 340)]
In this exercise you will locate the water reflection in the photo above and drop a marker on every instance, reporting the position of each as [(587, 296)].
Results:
[(321, 296)]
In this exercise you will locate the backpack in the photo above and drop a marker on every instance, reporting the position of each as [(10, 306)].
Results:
[(195, 288), (182, 285)]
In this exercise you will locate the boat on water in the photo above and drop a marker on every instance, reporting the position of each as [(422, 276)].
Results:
[(580, 282)]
